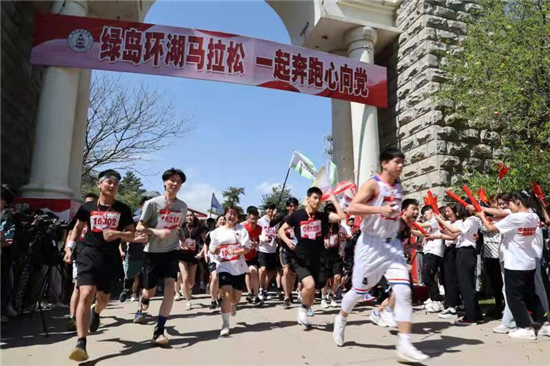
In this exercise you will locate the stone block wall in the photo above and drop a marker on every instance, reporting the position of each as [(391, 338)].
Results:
[(437, 145), (21, 83)]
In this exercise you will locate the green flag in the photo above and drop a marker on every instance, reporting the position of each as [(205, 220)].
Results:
[(303, 165)]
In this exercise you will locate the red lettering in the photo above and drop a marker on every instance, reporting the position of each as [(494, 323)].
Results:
[(331, 77), (195, 54), (154, 47), (216, 56), (282, 65), (299, 68), (175, 50), (235, 58), (316, 68), (360, 82), (346, 79), (132, 46), (110, 44)]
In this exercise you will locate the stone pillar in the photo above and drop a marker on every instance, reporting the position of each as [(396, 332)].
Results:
[(364, 118), (79, 133), (342, 140), (54, 124)]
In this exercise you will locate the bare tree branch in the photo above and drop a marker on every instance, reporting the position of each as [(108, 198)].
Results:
[(125, 125)]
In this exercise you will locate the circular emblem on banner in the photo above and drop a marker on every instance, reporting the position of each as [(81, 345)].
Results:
[(80, 40)]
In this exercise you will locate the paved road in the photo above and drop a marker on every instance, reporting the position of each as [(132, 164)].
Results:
[(260, 336)]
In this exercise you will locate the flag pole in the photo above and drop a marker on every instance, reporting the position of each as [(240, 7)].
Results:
[(210, 210), (284, 185)]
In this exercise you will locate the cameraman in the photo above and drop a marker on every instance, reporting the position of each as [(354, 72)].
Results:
[(71, 323)]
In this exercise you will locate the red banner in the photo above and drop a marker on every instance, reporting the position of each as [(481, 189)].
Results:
[(104, 44)]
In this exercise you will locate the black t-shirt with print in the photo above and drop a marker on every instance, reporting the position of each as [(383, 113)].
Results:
[(99, 218), (310, 231), (195, 235)]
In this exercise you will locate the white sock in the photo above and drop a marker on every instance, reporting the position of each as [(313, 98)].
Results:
[(225, 318), (342, 318), (404, 338)]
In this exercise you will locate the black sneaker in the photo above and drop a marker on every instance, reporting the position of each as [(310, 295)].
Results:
[(250, 298), (94, 320), (219, 302), (286, 303), (123, 295), (258, 303), (159, 339), (213, 305), (281, 296), (79, 353)]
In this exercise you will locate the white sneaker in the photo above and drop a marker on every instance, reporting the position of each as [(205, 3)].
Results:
[(449, 313), (324, 304), (225, 330), (310, 312), (434, 307), (545, 330), (178, 297), (339, 330), (377, 319), (427, 302), (408, 353), (261, 296), (333, 303), (503, 329), (188, 306), (388, 318), (133, 298), (302, 317), (523, 333), (233, 310)]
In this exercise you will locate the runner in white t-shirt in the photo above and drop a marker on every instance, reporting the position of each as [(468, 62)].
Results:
[(231, 242), (267, 256), (213, 261), (518, 233)]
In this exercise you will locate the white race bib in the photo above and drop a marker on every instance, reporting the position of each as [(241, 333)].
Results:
[(169, 219), (310, 229), (104, 220)]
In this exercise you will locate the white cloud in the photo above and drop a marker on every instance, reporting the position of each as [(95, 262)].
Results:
[(267, 187), (198, 195)]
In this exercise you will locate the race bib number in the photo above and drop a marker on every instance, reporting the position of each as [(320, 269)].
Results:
[(310, 229), (103, 220), (333, 240), (224, 252), (190, 244), (270, 232), (169, 219)]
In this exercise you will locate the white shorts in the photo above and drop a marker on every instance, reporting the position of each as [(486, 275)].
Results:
[(75, 270), (375, 258)]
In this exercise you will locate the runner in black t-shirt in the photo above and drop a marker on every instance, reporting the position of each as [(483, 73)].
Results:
[(98, 260), (310, 227)]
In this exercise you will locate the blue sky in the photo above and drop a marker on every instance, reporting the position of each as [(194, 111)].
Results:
[(244, 136)]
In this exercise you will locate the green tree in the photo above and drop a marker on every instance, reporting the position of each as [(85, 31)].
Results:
[(273, 197), (231, 196), (498, 79), (130, 190)]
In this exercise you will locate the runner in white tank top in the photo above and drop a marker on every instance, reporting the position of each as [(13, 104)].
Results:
[(379, 252)]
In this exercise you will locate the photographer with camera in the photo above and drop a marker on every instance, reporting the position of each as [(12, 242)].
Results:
[(108, 221)]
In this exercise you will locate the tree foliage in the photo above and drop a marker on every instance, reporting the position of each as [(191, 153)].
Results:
[(130, 190), (125, 125), (273, 197), (499, 79), (232, 196)]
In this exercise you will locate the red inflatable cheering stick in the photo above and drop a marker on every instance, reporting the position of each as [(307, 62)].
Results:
[(433, 202), (457, 199), (419, 228), (539, 193)]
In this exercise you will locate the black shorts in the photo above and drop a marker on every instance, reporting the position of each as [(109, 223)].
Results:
[(285, 256), (253, 262), (227, 279), (188, 257), (334, 264), (98, 268), (269, 261), (159, 266), (314, 268), (212, 266)]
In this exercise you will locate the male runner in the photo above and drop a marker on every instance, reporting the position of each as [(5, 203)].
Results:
[(379, 252), (268, 251), (251, 258)]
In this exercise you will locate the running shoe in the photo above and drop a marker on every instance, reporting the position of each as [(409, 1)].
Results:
[(407, 353), (280, 296), (225, 330), (94, 320), (123, 296), (78, 354), (368, 297), (377, 319), (134, 298), (545, 330), (449, 313), (310, 312), (339, 330), (178, 297), (160, 340), (71, 325), (303, 317), (286, 303), (333, 302), (140, 317), (213, 305), (523, 333), (503, 329), (188, 306), (250, 298), (388, 318), (324, 303), (464, 323)]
